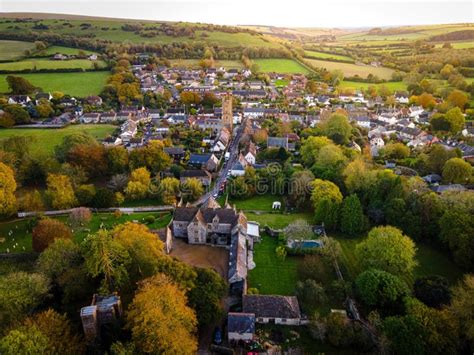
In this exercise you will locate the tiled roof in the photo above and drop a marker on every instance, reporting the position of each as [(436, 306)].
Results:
[(272, 306)]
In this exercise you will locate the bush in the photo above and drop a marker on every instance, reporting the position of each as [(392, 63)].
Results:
[(150, 219)]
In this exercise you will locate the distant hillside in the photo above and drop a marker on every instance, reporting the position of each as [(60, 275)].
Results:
[(98, 33)]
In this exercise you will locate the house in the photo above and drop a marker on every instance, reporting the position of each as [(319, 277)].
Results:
[(362, 121), (204, 161), (273, 309), (237, 169), (108, 117), (443, 188), (177, 153), (240, 326), (94, 100), (277, 142), (202, 175), (250, 153), (43, 96), (103, 310), (376, 144), (19, 100), (432, 179), (92, 117), (59, 56)]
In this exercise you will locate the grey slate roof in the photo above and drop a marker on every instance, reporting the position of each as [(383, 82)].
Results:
[(241, 323), (271, 306)]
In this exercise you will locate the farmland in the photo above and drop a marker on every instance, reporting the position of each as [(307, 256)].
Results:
[(324, 55), (43, 63), (10, 50), (75, 84), (392, 85), (63, 50), (194, 63), (353, 69), (280, 66), (44, 140)]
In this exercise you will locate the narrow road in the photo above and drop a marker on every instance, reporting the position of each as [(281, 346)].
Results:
[(233, 149)]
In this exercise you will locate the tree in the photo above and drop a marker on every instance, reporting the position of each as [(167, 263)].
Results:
[(353, 220), (358, 176), (457, 171), (60, 192), (24, 341), (300, 188), (310, 294), (169, 188), (456, 120), (326, 199), (159, 319), (386, 248), (457, 98), (91, 158), (190, 98), (20, 293), (44, 109), (70, 141), (138, 185), (106, 258), (338, 128), (433, 291), (380, 289), (192, 189), (329, 162), (18, 113), (144, 248), (206, 296), (439, 122), (80, 216), (19, 85), (117, 159), (60, 256), (396, 151), (462, 307), (7, 191), (298, 230), (310, 149), (426, 100), (31, 201), (438, 156), (405, 334), (152, 157), (46, 231)]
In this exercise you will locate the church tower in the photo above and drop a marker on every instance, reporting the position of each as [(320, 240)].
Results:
[(227, 116)]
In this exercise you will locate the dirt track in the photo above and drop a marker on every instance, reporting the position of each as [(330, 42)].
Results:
[(216, 258)]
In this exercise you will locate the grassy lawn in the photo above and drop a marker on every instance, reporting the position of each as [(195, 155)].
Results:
[(16, 234), (43, 140), (44, 63), (75, 84), (280, 66), (10, 50), (277, 220), (430, 261), (281, 83), (353, 69), (392, 85), (272, 276), (256, 203), (323, 55)]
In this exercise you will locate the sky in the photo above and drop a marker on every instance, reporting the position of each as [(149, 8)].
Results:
[(285, 13)]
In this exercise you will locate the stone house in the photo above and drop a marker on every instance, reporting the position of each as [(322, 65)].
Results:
[(274, 309)]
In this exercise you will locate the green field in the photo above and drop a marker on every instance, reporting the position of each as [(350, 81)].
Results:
[(63, 50), (10, 50), (43, 63), (256, 203), (15, 236), (280, 66), (277, 220), (458, 45), (392, 85), (43, 140), (272, 276), (194, 63), (323, 55), (353, 69), (75, 84)]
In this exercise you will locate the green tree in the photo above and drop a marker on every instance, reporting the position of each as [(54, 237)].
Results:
[(380, 289), (152, 156), (159, 319), (326, 199), (300, 188), (438, 156), (310, 149), (206, 296), (169, 188), (117, 159), (20, 293), (70, 141), (462, 307), (58, 257), (298, 230), (310, 294), (24, 341), (387, 248), (432, 290), (19, 85), (457, 171), (456, 120), (106, 258), (338, 128), (396, 151), (353, 220), (192, 189)]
